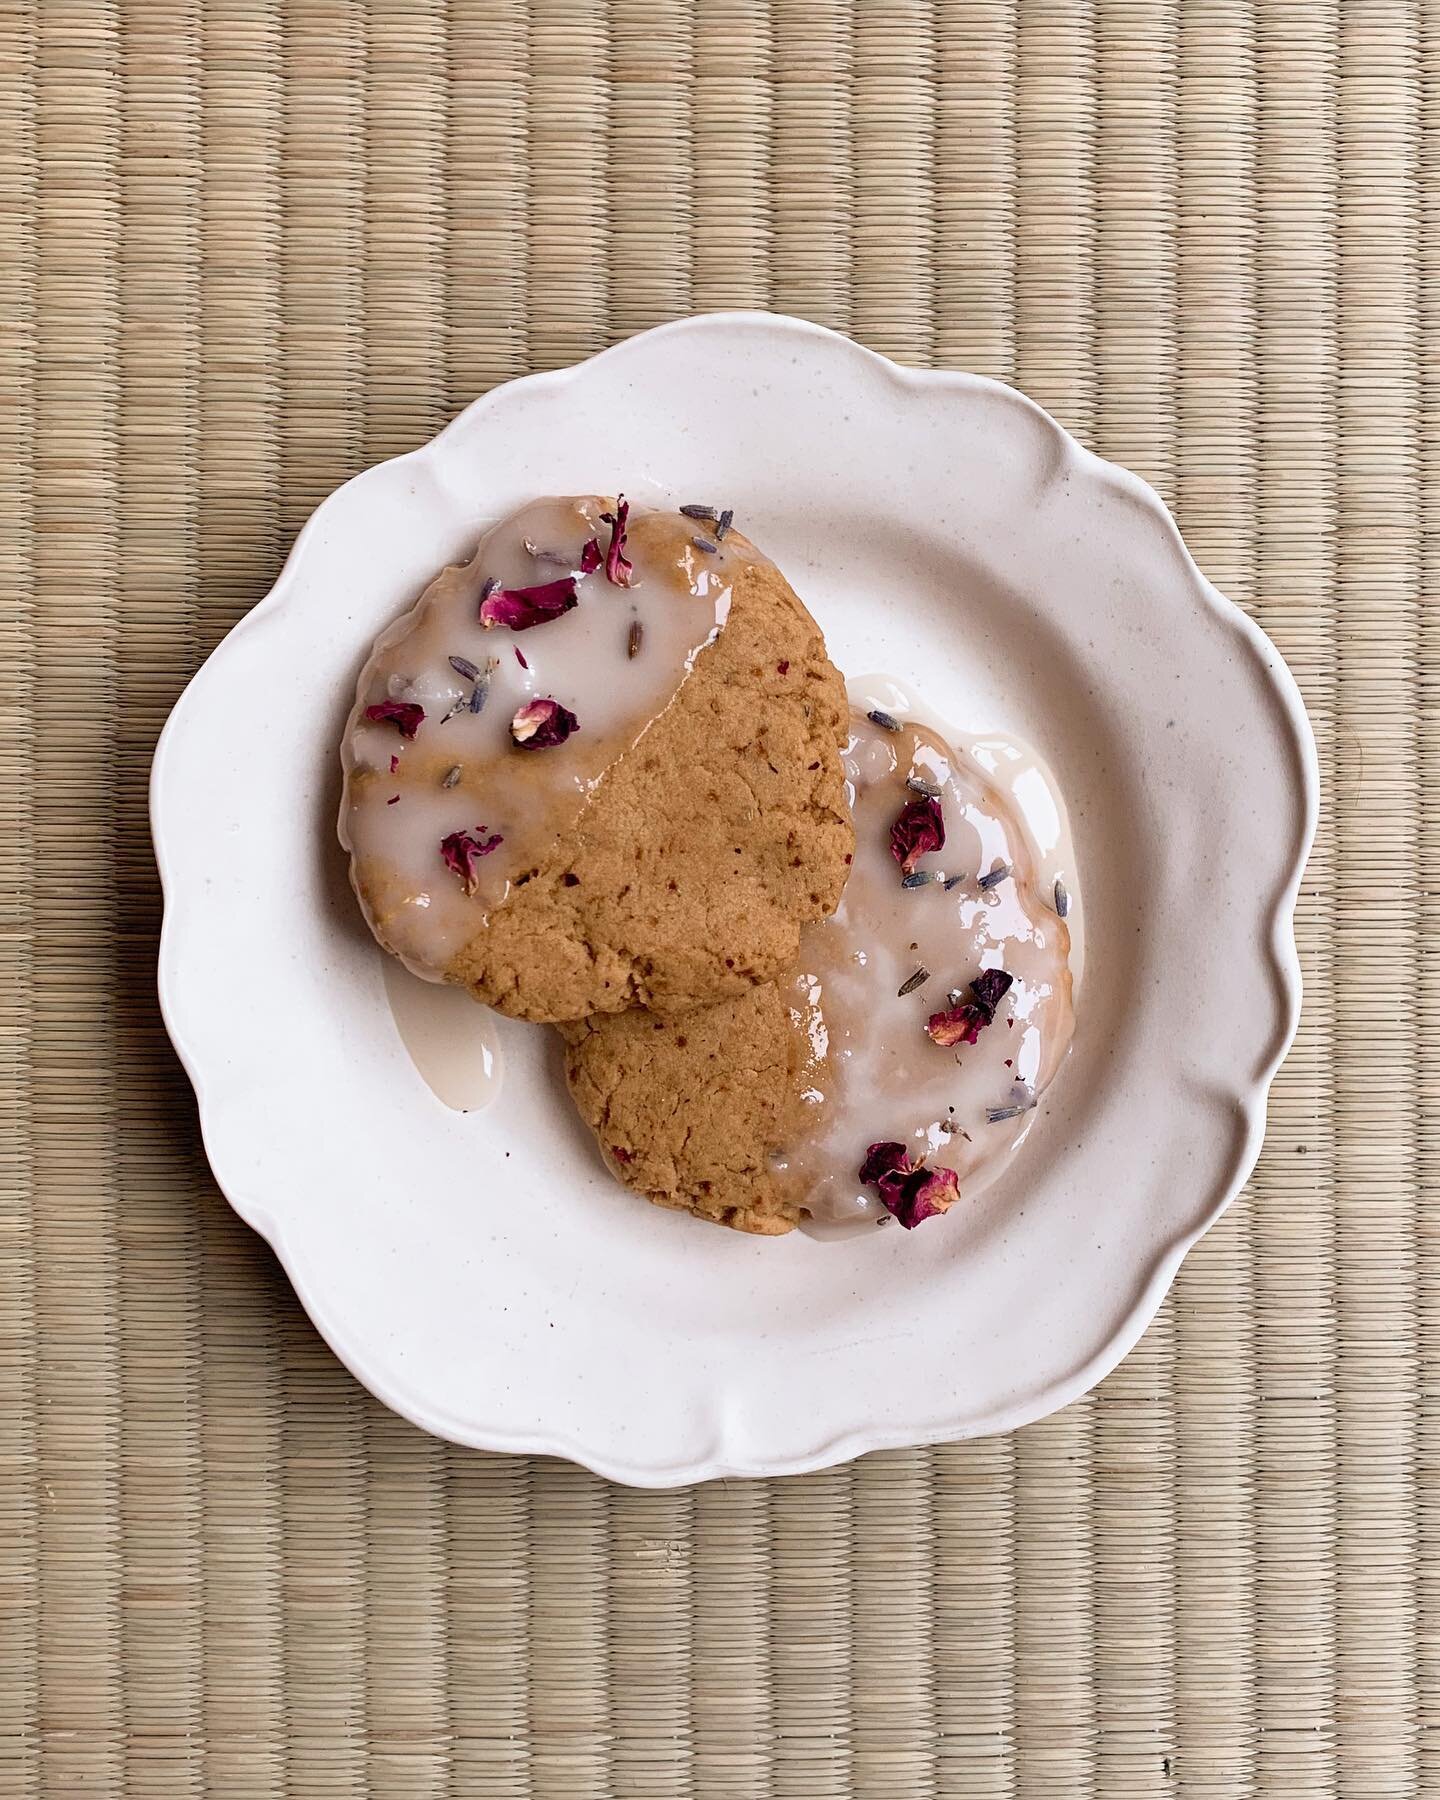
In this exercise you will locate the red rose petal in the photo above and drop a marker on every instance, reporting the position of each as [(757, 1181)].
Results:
[(617, 565), (518, 609), (990, 987), (884, 1159), (919, 829), (404, 715), (462, 850), (963, 1024), (920, 1195), (960, 1025), (541, 724), (591, 557), (909, 1192)]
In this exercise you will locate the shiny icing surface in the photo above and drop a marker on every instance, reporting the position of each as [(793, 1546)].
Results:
[(868, 1069), (615, 661), (451, 1041)]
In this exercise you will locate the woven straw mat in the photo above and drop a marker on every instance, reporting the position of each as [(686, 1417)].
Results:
[(250, 247)]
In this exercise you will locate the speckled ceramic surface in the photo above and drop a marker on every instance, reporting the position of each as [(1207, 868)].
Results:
[(480, 1272)]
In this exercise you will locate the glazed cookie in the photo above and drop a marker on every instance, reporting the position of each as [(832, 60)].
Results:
[(901, 1059), (598, 766)]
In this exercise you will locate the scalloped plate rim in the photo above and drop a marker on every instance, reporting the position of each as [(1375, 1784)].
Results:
[(1251, 1097)]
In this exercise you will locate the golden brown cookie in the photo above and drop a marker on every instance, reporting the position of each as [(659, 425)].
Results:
[(703, 850), (687, 1109), (605, 860), (900, 1061)]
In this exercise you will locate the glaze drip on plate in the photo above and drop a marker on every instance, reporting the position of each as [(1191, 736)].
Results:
[(445, 746), (893, 955), (452, 1043)]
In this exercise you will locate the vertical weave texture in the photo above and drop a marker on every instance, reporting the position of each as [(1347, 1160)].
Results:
[(158, 1223), (1216, 465), (242, 1386), (248, 246), (19, 1487), (1427, 1668)]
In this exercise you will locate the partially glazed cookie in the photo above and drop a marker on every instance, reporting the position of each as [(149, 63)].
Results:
[(899, 1062), (598, 767)]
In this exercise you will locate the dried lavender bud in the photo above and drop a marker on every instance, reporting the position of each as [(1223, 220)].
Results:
[(635, 639), (533, 550), (994, 878), (918, 979), (723, 523), (888, 722), (699, 512), (917, 784), (451, 777), (462, 665), (1062, 900)]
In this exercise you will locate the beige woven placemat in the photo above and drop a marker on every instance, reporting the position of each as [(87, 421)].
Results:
[(252, 245)]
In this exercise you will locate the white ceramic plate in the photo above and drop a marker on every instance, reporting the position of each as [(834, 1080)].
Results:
[(480, 1272)]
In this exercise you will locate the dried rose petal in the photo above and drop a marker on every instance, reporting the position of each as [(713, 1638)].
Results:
[(591, 557), (621, 1154), (394, 764), (884, 1159), (920, 1195), (541, 724), (919, 829), (461, 851), (909, 1191), (520, 608), (404, 715), (990, 987), (617, 564), (960, 1025), (886, 1168), (963, 1024)]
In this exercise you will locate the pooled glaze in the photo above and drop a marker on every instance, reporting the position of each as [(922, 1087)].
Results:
[(616, 660), (868, 1070), (452, 1042)]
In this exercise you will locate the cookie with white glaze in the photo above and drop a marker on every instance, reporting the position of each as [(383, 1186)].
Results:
[(665, 847), (901, 1059)]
